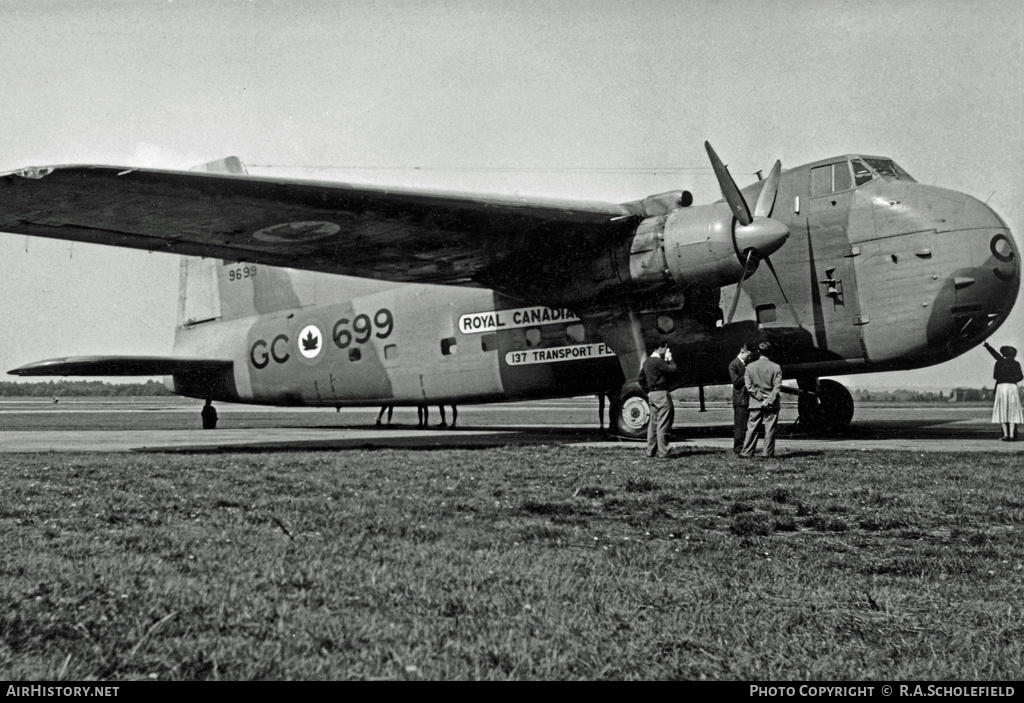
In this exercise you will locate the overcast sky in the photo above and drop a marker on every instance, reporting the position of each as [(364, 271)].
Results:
[(597, 100)]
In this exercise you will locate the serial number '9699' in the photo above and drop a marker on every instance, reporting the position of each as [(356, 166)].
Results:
[(237, 274)]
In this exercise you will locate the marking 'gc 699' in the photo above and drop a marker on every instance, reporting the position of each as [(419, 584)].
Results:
[(382, 325)]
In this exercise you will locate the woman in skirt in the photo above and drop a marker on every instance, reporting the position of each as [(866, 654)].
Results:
[(1006, 410)]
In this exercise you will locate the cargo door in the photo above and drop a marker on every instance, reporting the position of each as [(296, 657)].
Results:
[(838, 320)]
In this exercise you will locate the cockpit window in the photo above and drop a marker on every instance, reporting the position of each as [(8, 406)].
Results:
[(887, 167), (836, 178), (861, 173), (830, 179)]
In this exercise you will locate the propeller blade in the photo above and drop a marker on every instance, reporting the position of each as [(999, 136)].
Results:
[(766, 200), (739, 286), (730, 192), (782, 290)]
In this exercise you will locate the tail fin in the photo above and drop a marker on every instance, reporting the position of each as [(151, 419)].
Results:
[(198, 291), (212, 289)]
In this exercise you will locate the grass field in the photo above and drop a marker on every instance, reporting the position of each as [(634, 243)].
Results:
[(525, 562)]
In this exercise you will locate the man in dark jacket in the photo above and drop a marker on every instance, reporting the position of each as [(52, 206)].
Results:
[(740, 397), (658, 367)]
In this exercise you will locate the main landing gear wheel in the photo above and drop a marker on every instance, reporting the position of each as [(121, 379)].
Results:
[(830, 412), (632, 413)]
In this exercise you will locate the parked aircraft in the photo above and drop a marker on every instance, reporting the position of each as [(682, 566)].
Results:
[(330, 294)]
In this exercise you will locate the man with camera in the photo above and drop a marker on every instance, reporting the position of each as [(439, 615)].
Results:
[(657, 369)]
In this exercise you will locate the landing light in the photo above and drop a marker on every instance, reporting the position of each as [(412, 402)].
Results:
[(31, 172)]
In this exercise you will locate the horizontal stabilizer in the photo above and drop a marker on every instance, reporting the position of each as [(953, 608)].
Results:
[(121, 366)]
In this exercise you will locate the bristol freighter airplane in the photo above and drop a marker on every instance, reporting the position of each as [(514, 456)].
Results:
[(329, 294)]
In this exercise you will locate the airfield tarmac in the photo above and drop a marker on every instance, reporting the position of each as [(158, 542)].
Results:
[(171, 424)]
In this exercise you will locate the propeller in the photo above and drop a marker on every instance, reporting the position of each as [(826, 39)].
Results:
[(758, 231), (782, 290), (739, 286), (756, 236), (730, 192)]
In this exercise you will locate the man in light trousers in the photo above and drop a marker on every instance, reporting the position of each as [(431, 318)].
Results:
[(764, 384), (657, 368)]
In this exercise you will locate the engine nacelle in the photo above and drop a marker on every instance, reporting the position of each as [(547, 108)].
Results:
[(688, 247), (700, 247), (673, 248)]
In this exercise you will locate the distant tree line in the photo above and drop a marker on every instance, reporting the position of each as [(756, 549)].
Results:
[(899, 396), (716, 394), (956, 395), (60, 389), (712, 394)]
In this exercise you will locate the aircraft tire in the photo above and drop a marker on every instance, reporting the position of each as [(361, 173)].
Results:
[(833, 411), (632, 413)]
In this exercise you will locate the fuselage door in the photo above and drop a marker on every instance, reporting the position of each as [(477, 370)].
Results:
[(837, 318)]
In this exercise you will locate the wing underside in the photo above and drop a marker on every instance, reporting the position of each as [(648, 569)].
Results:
[(399, 235)]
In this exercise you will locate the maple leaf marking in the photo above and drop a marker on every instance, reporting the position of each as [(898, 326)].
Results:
[(309, 342)]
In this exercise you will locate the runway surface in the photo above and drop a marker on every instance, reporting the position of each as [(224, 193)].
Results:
[(172, 424)]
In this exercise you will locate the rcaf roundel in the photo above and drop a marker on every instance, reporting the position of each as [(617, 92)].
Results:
[(311, 341), (295, 232)]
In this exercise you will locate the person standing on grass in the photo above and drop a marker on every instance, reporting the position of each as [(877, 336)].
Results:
[(657, 369), (1006, 409), (764, 384), (389, 409), (740, 397), (209, 415)]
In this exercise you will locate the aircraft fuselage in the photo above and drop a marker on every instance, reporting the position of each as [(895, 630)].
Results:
[(392, 344)]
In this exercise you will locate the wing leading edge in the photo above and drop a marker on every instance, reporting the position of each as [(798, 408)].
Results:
[(399, 235)]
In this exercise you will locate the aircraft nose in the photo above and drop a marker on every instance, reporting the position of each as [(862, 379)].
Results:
[(978, 215), (983, 239), (988, 279), (991, 241), (945, 260)]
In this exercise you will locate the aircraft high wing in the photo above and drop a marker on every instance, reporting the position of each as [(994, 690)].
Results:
[(393, 234), (526, 247)]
